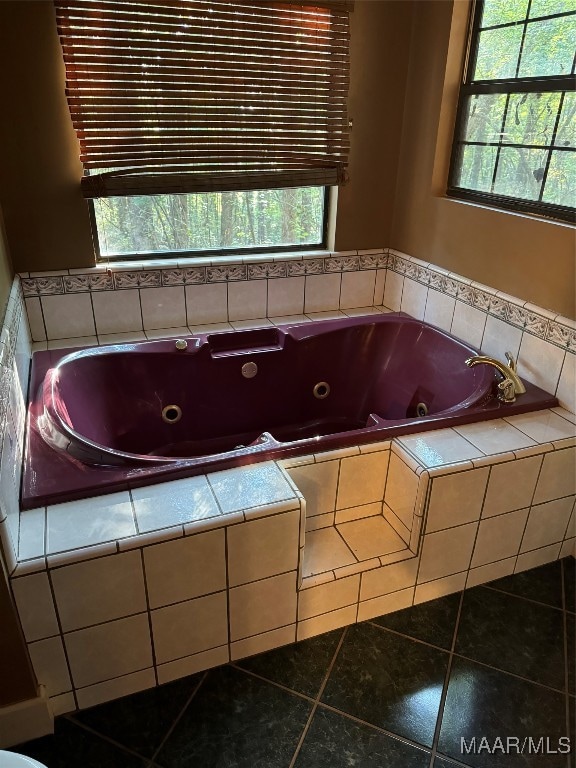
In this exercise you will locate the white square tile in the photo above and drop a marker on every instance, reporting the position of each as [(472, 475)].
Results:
[(324, 550), (190, 627), (262, 643), (547, 523), (262, 605), (322, 292), (250, 486), (499, 537), (68, 316), (319, 521), (446, 552), (117, 311), (358, 513), (286, 296), (371, 537), (485, 573), (543, 426), (247, 299), (566, 391), (49, 663), (80, 342), (440, 587), (494, 436), (537, 557), (264, 547), (109, 650), (189, 665), (499, 338), (168, 333), (173, 503), (511, 485), (393, 291), (182, 569), (357, 289), (401, 490), (32, 534), (243, 325), (326, 622), (120, 590), (318, 483), (163, 307), (77, 524), (35, 319), (414, 298), (439, 309), (441, 446), (129, 337), (540, 362), (362, 479), (328, 597), (115, 689), (390, 578), (558, 476), (62, 704), (35, 606), (379, 286), (289, 319), (378, 606), (456, 499), (468, 324), (207, 303)]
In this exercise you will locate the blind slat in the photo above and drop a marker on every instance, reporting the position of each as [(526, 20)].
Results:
[(190, 95)]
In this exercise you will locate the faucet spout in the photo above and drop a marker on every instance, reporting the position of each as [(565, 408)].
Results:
[(507, 371)]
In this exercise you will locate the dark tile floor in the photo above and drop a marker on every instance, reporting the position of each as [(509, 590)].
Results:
[(400, 691)]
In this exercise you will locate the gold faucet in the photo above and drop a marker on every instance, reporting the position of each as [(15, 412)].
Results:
[(511, 385)]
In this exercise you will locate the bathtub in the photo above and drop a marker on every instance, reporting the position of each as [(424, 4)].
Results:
[(121, 416)]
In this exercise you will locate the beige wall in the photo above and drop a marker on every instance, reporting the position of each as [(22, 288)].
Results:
[(524, 256)]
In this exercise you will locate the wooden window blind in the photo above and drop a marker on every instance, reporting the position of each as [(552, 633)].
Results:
[(175, 96)]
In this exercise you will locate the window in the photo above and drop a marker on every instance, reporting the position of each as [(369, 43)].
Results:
[(207, 125), (515, 139)]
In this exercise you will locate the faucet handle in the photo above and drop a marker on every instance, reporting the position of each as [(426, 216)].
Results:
[(506, 391), (511, 362)]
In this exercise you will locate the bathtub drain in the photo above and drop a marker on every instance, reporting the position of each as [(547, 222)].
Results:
[(171, 414), (422, 409)]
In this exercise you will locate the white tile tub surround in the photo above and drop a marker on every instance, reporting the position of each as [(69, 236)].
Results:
[(271, 611)]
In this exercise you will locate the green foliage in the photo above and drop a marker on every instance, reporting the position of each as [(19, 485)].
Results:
[(209, 221)]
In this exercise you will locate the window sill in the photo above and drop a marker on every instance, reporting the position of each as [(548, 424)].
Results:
[(509, 212)]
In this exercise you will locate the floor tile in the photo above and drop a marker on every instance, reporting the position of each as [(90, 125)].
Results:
[(72, 746), (389, 681), (483, 702), (441, 762), (432, 622), (543, 584), (141, 721), (571, 650), (513, 634), (334, 741), (236, 721), (569, 563), (300, 666)]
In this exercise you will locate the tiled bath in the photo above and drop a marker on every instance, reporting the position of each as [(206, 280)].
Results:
[(278, 552)]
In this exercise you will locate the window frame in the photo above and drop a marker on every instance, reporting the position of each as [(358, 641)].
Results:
[(211, 252), (539, 84)]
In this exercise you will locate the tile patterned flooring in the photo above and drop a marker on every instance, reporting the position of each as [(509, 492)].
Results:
[(399, 691)]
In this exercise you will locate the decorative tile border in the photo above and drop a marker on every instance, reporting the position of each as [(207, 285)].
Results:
[(514, 312)]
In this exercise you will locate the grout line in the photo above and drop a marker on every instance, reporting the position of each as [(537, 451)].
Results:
[(149, 617), (444, 694), (529, 510), (317, 699), (61, 636), (179, 716), (520, 597), (566, 679), (70, 717)]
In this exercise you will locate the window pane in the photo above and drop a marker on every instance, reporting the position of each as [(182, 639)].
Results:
[(548, 7), (566, 133), (502, 11), (531, 118), (210, 221), (477, 167), (548, 47), (484, 116), (561, 180), (520, 172), (498, 53)]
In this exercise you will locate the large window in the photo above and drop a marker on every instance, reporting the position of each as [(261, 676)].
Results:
[(207, 125), (515, 142)]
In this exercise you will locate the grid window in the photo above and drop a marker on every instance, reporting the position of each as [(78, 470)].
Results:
[(515, 140)]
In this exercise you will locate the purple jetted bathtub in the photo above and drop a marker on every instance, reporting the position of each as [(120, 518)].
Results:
[(115, 417)]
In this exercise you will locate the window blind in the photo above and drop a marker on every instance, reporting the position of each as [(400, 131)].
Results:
[(173, 96)]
